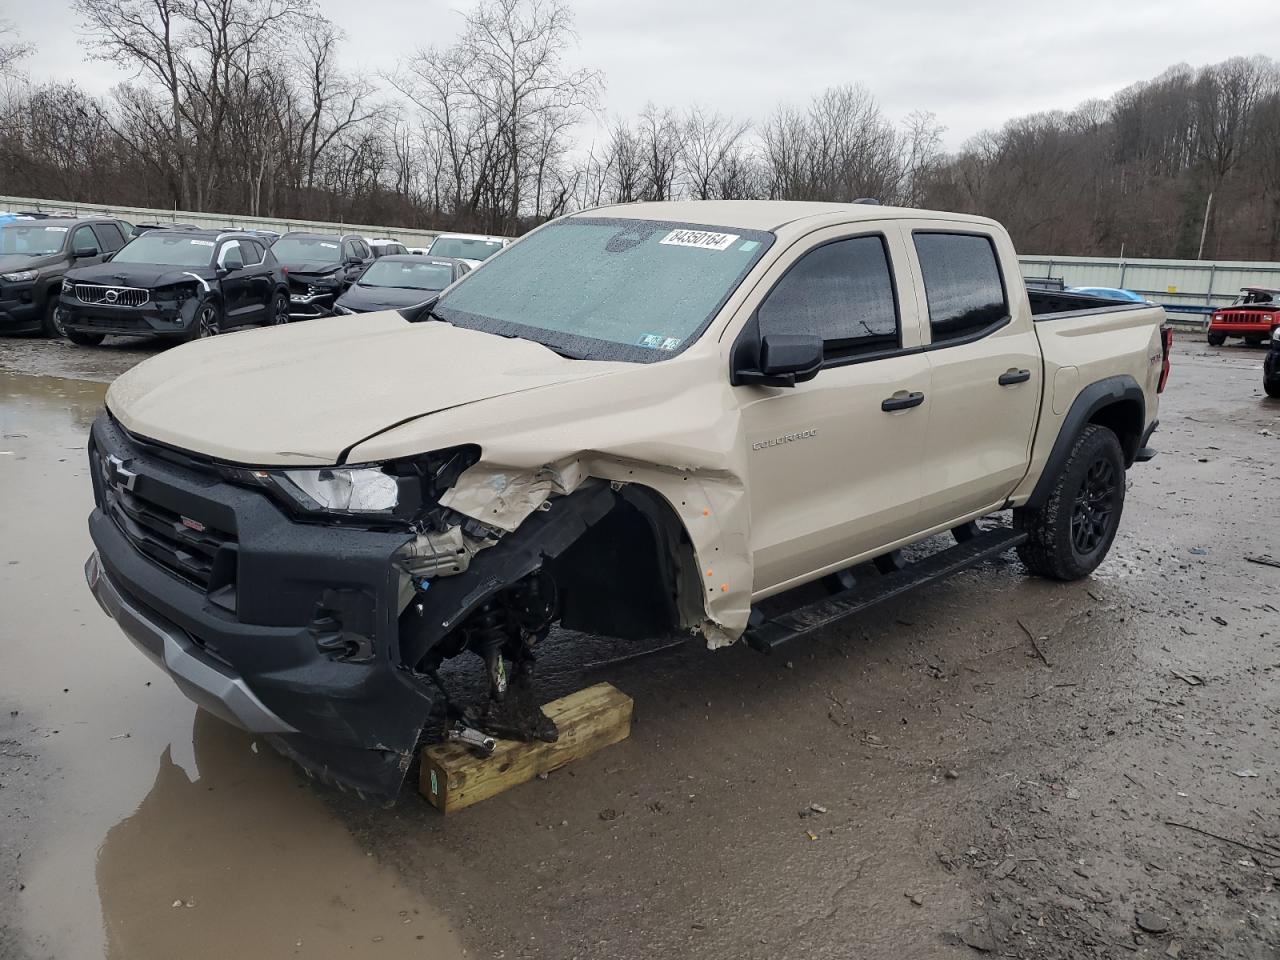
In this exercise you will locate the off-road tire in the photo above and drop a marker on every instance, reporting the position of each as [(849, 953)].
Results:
[(85, 339), (1272, 386), (1071, 533), (1217, 339)]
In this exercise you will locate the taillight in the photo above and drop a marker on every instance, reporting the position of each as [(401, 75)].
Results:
[(1166, 345)]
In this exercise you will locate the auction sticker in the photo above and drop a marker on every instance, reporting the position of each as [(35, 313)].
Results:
[(702, 239), (55, 229), (202, 243)]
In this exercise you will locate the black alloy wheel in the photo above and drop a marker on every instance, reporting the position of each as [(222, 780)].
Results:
[(1094, 505)]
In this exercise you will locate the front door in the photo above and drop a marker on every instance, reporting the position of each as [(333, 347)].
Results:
[(834, 463)]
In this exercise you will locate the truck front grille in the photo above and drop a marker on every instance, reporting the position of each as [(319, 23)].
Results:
[(194, 551), (117, 296)]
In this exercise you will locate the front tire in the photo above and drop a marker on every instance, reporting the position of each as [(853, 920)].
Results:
[(51, 325), (1217, 339), (1071, 533), (279, 310), (85, 339), (208, 322)]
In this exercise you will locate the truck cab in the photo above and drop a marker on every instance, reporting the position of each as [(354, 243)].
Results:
[(1253, 316)]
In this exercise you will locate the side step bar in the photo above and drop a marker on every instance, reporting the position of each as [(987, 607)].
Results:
[(766, 635)]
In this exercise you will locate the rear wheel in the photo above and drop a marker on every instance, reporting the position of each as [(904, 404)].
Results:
[(1071, 533), (1217, 339), (85, 339)]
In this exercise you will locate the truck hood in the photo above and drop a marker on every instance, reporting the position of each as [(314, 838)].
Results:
[(306, 393)]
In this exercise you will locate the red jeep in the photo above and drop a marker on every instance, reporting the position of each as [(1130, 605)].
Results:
[(1255, 313)]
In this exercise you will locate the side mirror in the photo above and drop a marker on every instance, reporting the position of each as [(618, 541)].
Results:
[(785, 360), (79, 253)]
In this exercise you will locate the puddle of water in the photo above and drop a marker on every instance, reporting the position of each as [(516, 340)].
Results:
[(137, 799)]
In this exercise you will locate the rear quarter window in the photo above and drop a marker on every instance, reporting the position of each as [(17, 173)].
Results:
[(962, 283)]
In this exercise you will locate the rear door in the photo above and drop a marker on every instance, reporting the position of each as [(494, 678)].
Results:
[(237, 301), (986, 369), (261, 281), (832, 473)]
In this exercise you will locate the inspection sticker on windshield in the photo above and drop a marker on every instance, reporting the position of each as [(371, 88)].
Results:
[(55, 229), (700, 238), (202, 243), (656, 341)]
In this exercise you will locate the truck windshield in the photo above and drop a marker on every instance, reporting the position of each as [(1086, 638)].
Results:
[(30, 240), (408, 275), (608, 289), (166, 250), (306, 249)]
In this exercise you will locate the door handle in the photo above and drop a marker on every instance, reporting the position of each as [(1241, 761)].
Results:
[(1010, 377), (902, 403)]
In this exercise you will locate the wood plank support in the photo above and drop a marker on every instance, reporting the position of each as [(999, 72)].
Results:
[(453, 777)]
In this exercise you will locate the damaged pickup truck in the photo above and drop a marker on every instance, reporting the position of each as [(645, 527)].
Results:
[(638, 421)]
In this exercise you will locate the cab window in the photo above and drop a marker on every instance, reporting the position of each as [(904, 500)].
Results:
[(841, 291), (962, 284)]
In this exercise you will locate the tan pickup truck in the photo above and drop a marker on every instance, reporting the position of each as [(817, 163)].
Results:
[(636, 421)]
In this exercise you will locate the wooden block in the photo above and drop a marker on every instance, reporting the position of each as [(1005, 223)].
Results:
[(453, 777)]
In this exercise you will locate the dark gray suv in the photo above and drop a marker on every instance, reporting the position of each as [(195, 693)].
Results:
[(35, 252)]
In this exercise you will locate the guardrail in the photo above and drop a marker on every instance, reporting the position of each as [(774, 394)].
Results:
[(223, 221)]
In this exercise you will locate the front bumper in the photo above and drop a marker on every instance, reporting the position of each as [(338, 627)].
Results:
[(155, 318), (293, 633), (204, 680), (306, 304), (21, 307), (1242, 328)]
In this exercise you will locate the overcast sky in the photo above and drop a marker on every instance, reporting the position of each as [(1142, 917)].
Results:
[(974, 63)]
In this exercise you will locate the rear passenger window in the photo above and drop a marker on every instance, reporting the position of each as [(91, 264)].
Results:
[(842, 292), (962, 283), (109, 236)]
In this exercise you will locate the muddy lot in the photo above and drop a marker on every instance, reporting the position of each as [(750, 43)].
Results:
[(1000, 766)]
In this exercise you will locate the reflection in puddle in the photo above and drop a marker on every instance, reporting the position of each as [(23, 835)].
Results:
[(256, 865), (236, 833)]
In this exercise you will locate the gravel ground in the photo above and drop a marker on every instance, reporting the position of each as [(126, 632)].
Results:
[(999, 766)]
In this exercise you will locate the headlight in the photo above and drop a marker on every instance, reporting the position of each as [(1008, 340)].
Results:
[(394, 493), (1275, 334), (344, 489), (68, 287), (20, 276)]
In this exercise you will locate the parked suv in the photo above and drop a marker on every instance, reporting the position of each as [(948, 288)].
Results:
[(177, 284), (34, 255), (474, 248), (321, 267), (1254, 315)]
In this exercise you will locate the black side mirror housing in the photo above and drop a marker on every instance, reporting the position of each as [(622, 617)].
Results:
[(785, 360), (79, 253)]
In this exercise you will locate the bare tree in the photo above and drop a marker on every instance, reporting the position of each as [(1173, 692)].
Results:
[(707, 142)]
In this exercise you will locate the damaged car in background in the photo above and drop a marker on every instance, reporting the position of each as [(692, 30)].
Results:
[(321, 267), (639, 421)]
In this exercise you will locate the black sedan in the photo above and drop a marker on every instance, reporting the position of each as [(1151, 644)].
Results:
[(400, 281), (175, 284)]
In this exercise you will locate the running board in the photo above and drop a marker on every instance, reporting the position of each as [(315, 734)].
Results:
[(768, 634)]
